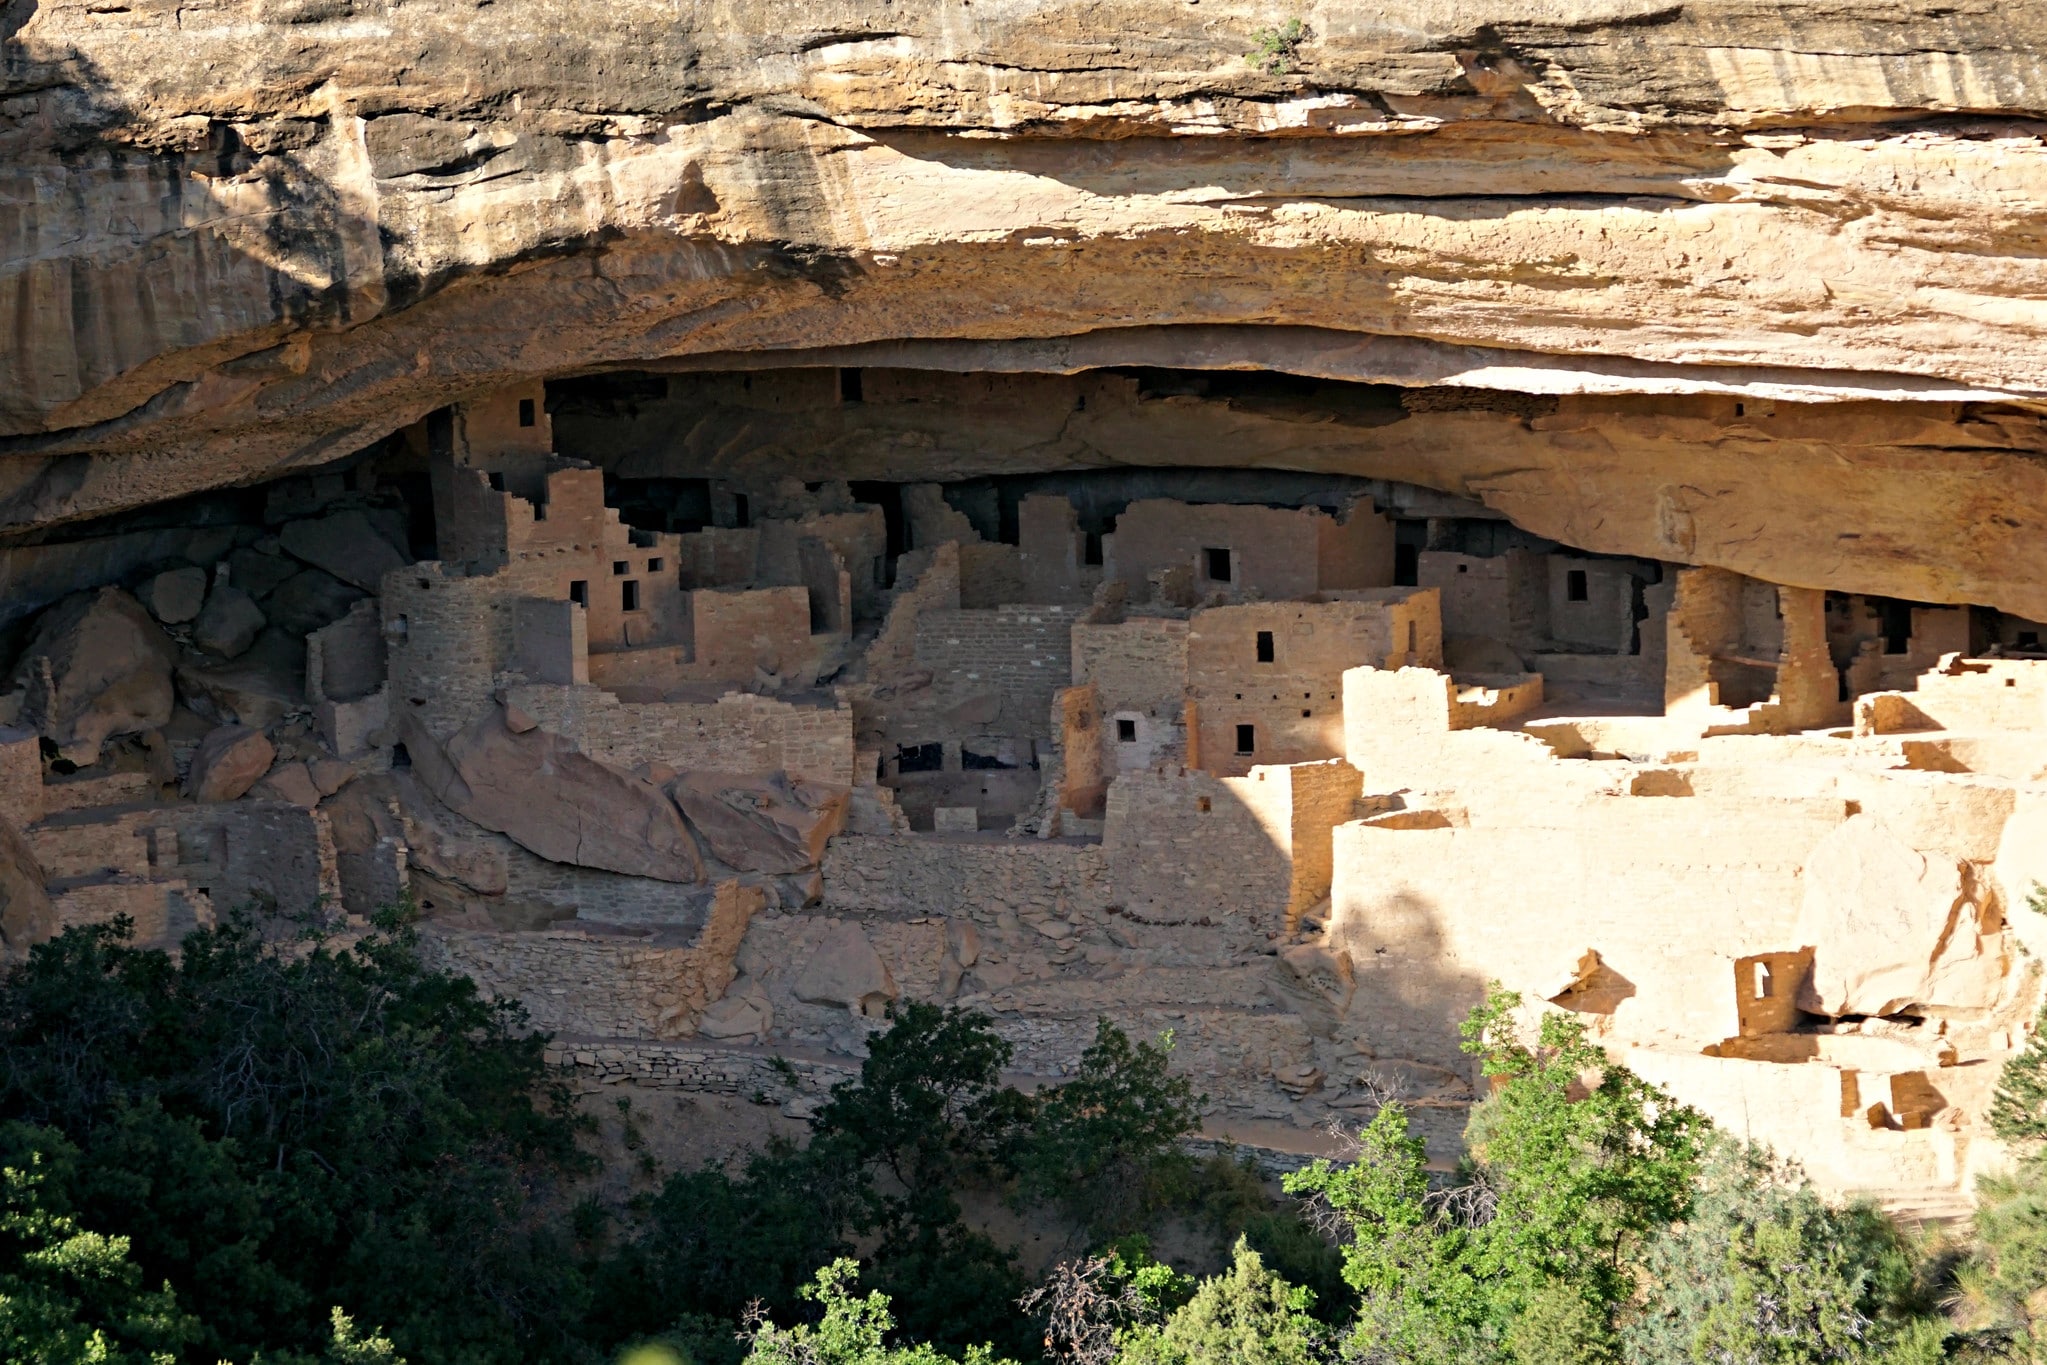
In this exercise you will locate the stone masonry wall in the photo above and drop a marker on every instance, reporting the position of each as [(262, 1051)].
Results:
[(1024, 653), (737, 733)]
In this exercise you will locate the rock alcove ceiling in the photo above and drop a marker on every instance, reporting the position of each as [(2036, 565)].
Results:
[(1775, 278)]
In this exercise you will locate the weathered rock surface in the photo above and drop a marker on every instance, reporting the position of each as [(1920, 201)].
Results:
[(761, 822), (290, 782), (26, 918), (229, 624), (1895, 927), (845, 970), (175, 595), (1589, 199), (260, 688), (347, 544), (541, 791), (96, 666), (309, 600), (229, 761)]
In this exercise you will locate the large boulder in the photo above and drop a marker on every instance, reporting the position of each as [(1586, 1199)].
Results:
[(175, 595), (539, 790), (1890, 927), (97, 666), (761, 822), (845, 970), (347, 544), (26, 918), (229, 761), (229, 623), (260, 688)]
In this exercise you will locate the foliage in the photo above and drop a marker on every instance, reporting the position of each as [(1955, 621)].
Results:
[(277, 1128), (1575, 1162), (1232, 1195), (2003, 1285), (1763, 1271), (852, 1331), (68, 1295), (1104, 1145), (2018, 1111), (1246, 1316), (1275, 50)]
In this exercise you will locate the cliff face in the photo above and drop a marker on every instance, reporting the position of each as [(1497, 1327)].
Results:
[(247, 236)]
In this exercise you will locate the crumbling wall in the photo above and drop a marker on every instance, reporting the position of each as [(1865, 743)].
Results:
[(1024, 654), (740, 732), (267, 855), (575, 983)]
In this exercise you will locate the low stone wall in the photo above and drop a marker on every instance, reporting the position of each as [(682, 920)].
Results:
[(608, 986), (933, 874)]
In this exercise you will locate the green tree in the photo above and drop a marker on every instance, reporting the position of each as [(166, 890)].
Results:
[(69, 1296), (1105, 1144), (1246, 1316), (851, 1331), (2002, 1286), (280, 1128), (1575, 1162), (1764, 1271)]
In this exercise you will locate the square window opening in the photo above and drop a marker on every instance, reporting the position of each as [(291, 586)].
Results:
[(1576, 589), (497, 481), (1265, 653), (1216, 565), (654, 566), (621, 567), (579, 592), (527, 416), (629, 594), (1247, 739), (1126, 732)]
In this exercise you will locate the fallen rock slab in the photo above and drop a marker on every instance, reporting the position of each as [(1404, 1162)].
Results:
[(229, 761), (97, 666), (539, 790), (761, 822), (347, 544)]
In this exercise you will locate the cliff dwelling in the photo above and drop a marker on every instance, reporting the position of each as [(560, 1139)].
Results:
[(735, 557)]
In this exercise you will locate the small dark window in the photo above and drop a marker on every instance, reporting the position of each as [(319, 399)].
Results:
[(1896, 620), (742, 511), (1264, 646), (1091, 547), (1306, 714), (526, 414), (629, 594), (920, 758), (849, 386), (1126, 732), (1216, 563), (579, 592), (540, 511), (1247, 739), (1407, 566), (1741, 409), (1575, 587), (654, 566), (621, 567), (1202, 804), (497, 481), (1464, 568), (1410, 637)]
